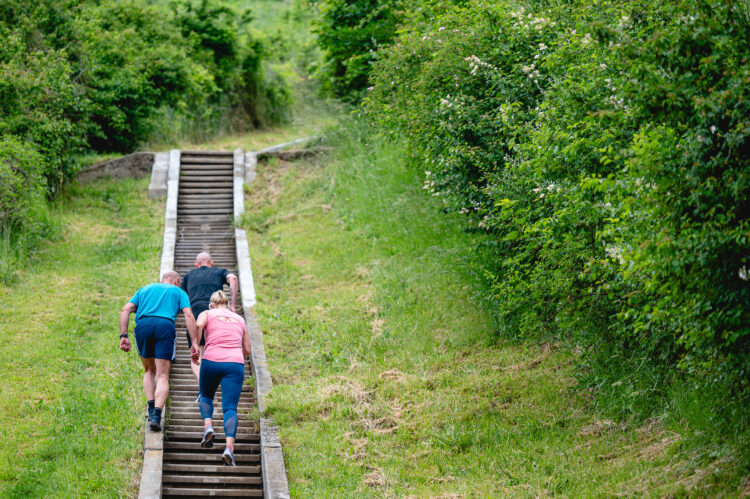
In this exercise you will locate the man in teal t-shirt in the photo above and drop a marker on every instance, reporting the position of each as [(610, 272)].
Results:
[(156, 307)]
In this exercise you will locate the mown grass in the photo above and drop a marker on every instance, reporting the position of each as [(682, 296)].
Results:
[(71, 401), (386, 380)]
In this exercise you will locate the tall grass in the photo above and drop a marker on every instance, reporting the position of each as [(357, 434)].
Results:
[(70, 401), (388, 379)]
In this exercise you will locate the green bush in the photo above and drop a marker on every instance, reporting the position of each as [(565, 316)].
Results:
[(689, 249), (603, 147), (84, 75), (350, 34), (24, 214)]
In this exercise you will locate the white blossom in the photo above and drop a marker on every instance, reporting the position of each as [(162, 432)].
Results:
[(615, 253), (743, 273)]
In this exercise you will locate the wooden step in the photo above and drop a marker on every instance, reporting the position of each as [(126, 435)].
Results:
[(191, 446), (191, 478), (223, 492), (210, 468), (208, 455)]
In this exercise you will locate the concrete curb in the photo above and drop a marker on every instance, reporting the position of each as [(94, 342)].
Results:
[(283, 145), (170, 216), (134, 165), (275, 485), (153, 445), (157, 189), (153, 449)]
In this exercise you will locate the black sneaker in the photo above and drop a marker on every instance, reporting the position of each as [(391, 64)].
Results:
[(155, 423), (228, 456), (150, 413), (208, 437)]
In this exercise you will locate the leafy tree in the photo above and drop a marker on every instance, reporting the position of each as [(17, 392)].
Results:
[(350, 34)]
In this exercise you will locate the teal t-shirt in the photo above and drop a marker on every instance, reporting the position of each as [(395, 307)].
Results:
[(159, 300)]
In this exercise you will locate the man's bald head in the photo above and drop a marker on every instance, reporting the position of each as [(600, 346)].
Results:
[(203, 259), (171, 277)]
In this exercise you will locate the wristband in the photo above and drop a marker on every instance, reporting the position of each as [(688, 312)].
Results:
[(123, 335)]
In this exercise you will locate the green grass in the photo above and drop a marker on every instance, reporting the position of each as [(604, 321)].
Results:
[(306, 124), (71, 401), (386, 380)]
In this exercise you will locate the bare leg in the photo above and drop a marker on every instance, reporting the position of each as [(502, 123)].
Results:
[(207, 422), (162, 382), (149, 383), (197, 367), (230, 442)]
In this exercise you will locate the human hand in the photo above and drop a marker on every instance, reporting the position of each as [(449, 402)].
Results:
[(231, 308), (124, 344), (194, 353)]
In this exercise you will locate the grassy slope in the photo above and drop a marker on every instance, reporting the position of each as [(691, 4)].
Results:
[(70, 399), (385, 382)]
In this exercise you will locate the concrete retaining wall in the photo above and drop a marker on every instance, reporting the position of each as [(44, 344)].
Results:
[(136, 165)]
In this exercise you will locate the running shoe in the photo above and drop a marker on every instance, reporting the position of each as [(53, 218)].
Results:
[(228, 456), (208, 437), (155, 423)]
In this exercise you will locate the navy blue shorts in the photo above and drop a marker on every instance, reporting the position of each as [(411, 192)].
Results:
[(197, 309), (156, 338)]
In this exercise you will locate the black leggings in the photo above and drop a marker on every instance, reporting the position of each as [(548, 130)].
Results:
[(231, 375)]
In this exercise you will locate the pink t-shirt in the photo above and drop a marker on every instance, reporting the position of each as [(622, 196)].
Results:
[(224, 339)]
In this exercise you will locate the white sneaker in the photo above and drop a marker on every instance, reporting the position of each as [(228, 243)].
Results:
[(228, 456)]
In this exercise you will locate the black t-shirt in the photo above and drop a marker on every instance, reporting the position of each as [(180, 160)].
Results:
[(202, 282)]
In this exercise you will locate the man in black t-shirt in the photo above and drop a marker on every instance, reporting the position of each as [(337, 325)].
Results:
[(200, 283)]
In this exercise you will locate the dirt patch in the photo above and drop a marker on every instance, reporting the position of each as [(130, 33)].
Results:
[(348, 388), (358, 447), (600, 428), (362, 272), (266, 189), (376, 326), (374, 478), (534, 363), (746, 487), (393, 374), (135, 165), (657, 449), (382, 426)]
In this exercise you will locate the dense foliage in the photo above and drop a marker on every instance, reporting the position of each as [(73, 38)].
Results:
[(79, 75), (604, 147), (350, 34)]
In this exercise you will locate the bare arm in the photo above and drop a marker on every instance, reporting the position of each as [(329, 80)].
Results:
[(128, 309), (191, 326), (233, 286), (246, 348), (200, 323)]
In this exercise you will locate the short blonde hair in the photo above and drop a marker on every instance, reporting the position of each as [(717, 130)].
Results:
[(219, 298)]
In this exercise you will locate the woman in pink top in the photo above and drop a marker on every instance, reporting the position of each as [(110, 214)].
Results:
[(227, 343)]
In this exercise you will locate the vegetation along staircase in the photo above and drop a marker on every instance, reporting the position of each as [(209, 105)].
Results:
[(204, 223)]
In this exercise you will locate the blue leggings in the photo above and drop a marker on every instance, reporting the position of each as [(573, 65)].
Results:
[(231, 375)]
